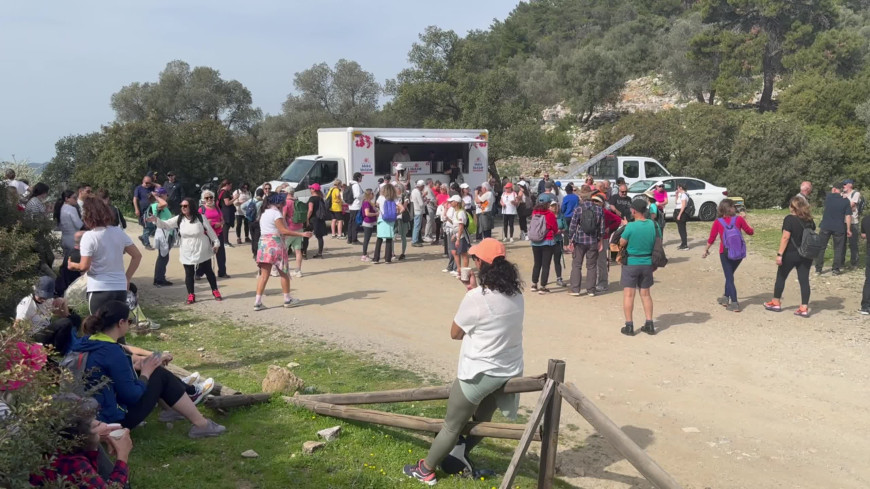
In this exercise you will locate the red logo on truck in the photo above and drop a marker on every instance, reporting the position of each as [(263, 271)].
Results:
[(363, 141)]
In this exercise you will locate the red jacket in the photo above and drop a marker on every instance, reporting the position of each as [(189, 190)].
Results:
[(718, 229), (80, 470), (552, 224), (612, 221)]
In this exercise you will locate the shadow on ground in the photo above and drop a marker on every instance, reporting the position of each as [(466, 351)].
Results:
[(595, 454)]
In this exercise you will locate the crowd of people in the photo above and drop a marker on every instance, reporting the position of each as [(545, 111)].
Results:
[(595, 222)]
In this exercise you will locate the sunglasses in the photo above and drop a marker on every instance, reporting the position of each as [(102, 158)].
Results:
[(185, 206), (209, 198)]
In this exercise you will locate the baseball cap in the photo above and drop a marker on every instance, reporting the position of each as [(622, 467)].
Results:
[(488, 250), (454, 198), (400, 167), (660, 184), (161, 191), (545, 198), (170, 174), (44, 288), (464, 185), (848, 181), (315, 186), (508, 185), (558, 184), (639, 205), (421, 183)]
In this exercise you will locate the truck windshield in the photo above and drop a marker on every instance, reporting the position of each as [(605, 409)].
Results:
[(641, 186), (297, 170)]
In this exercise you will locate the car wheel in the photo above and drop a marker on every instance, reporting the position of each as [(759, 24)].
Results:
[(707, 212)]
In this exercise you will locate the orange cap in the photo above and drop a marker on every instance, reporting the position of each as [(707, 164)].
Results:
[(488, 250)]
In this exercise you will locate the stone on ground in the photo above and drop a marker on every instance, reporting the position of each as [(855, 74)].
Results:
[(279, 379)]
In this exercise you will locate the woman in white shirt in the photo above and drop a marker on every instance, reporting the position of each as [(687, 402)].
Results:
[(386, 229), (681, 214), (241, 196), (271, 250), (102, 248), (489, 323), (199, 243), (509, 211)]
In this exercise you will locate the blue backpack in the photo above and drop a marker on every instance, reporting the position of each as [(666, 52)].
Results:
[(732, 238), (389, 211), (250, 210)]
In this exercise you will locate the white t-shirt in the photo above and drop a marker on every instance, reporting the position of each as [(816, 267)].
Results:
[(243, 197), (682, 200), (855, 198), (459, 217), (510, 203), (267, 221), (357, 196), (493, 326), (19, 187), (467, 202), (106, 246), (38, 315)]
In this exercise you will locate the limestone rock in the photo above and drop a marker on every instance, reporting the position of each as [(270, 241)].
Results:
[(310, 447), (330, 434), (279, 379), (250, 454)]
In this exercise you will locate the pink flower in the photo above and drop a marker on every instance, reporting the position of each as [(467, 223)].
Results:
[(31, 356)]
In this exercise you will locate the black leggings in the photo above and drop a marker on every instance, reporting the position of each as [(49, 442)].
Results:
[(367, 236), (98, 298), (802, 265), (203, 268), (508, 226), (681, 227), (523, 223), (161, 385), (242, 221), (388, 255), (543, 256)]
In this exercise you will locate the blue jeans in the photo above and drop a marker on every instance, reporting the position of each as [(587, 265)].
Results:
[(729, 266), (415, 234)]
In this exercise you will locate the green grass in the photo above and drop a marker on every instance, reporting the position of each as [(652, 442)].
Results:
[(365, 456)]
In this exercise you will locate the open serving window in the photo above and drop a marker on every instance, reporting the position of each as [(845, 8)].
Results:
[(441, 151)]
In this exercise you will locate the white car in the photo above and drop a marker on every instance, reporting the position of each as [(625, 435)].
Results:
[(704, 195)]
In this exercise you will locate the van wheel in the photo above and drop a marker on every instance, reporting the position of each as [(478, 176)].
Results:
[(707, 212)]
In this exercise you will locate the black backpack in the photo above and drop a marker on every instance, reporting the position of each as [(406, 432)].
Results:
[(588, 221), (811, 243), (690, 208), (347, 196)]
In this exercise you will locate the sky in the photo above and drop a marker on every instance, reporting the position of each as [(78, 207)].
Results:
[(61, 61)]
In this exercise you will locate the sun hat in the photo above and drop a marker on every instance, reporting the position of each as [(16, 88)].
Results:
[(598, 197), (649, 194), (454, 198), (639, 205), (315, 186), (488, 250), (44, 287)]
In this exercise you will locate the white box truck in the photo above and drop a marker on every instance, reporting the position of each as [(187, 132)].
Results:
[(371, 152)]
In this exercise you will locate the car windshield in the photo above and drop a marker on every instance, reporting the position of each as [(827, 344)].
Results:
[(641, 186), (296, 171)]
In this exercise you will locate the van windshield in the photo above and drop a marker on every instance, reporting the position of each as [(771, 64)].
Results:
[(296, 171), (641, 186)]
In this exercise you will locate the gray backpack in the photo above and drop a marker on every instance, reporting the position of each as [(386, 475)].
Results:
[(538, 228)]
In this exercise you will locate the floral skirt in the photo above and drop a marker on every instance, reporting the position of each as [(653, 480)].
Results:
[(271, 249)]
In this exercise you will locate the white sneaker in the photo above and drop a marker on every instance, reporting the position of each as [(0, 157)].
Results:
[(504, 240), (445, 270), (512, 240), (454, 273), (202, 390), (297, 273), (191, 379)]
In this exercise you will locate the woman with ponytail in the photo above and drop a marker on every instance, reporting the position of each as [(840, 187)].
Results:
[(489, 323), (128, 398)]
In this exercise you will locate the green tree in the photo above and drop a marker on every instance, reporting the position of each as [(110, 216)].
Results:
[(783, 24), (345, 94), (70, 153), (592, 78), (687, 65)]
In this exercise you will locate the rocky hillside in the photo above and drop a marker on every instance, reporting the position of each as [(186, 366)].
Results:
[(649, 93)]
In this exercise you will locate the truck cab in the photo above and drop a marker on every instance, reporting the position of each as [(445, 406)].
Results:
[(305, 170), (631, 168)]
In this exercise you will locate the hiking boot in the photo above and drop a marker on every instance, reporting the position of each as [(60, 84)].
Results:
[(417, 471), (649, 327), (724, 300), (209, 430), (628, 329), (259, 306), (202, 389), (291, 302), (191, 299), (217, 295), (733, 307)]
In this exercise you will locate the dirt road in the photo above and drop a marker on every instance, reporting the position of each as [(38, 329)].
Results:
[(720, 399)]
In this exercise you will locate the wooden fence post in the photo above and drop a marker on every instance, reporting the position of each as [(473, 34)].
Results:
[(550, 435), (529, 433)]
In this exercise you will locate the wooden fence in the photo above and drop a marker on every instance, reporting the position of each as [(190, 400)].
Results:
[(543, 425)]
